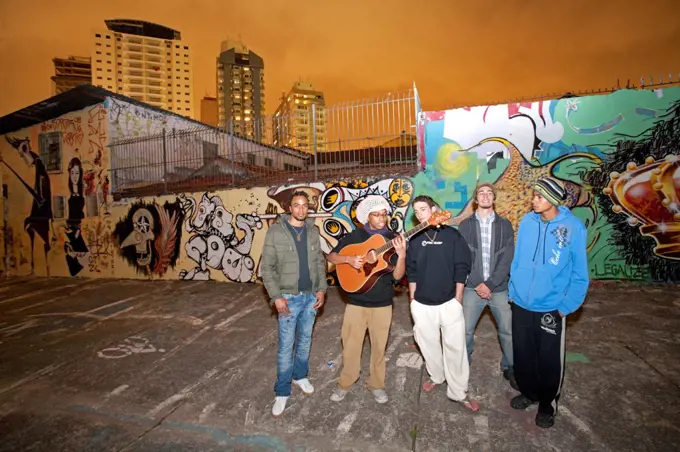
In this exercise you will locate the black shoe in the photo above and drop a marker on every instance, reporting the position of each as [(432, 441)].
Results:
[(509, 375), (521, 402), (545, 420)]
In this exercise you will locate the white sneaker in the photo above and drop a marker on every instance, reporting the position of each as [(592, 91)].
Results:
[(279, 405), (380, 395), (338, 394), (305, 385)]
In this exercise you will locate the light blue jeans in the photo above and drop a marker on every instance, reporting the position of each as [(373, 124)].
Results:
[(473, 306), (296, 329)]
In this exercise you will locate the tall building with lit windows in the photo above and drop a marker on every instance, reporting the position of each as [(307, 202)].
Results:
[(145, 61), (292, 122), (70, 72), (240, 90)]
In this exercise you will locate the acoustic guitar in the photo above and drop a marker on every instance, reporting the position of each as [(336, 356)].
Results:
[(377, 252)]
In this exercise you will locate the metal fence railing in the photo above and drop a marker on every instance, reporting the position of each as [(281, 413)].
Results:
[(370, 137)]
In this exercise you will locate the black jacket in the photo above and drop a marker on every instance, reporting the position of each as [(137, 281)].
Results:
[(437, 265)]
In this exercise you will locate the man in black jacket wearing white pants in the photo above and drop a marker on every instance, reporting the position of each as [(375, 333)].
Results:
[(438, 263)]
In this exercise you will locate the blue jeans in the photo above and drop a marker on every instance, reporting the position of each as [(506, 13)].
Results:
[(473, 306), (295, 328)]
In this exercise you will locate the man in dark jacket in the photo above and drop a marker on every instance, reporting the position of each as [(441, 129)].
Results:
[(492, 245), (294, 274)]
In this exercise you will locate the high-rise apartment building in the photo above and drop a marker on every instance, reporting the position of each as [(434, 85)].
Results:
[(70, 72), (145, 61), (240, 90), (293, 124), (209, 111)]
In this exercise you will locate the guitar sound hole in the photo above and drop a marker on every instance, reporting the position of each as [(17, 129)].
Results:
[(368, 268)]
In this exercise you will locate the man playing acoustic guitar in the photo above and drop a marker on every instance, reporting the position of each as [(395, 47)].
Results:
[(438, 265), (372, 309)]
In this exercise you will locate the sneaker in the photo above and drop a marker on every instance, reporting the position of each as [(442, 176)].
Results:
[(545, 420), (380, 395), (338, 394), (509, 375), (521, 402), (279, 405), (305, 385)]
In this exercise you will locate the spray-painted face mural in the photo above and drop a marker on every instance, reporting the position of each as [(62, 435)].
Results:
[(141, 237), (150, 235)]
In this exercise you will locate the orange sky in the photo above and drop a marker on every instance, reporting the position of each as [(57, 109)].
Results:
[(457, 53)]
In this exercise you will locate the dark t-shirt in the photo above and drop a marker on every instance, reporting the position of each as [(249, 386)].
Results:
[(304, 281), (382, 292)]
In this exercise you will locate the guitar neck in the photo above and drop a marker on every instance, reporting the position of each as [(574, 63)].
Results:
[(407, 235)]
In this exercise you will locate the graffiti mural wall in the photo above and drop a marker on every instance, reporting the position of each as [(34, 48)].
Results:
[(55, 179), (219, 235), (616, 155)]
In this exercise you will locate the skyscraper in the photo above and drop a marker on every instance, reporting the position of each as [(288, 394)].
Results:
[(70, 72), (293, 124), (240, 90), (209, 111), (145, 61)]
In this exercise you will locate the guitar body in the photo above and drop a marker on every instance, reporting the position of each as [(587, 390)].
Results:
[(361, 281)]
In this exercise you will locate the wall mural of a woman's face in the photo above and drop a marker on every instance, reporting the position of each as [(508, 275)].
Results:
[(75, 175)]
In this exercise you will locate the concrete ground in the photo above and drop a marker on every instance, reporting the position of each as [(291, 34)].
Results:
[(122, 365)]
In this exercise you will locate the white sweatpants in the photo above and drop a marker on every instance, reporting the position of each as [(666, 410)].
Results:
[(440, 334)]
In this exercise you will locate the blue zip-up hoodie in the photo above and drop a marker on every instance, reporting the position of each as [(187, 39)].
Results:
[(550, 268)]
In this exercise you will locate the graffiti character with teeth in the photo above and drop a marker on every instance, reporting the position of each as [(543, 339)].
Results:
[(141, 237), (214, 243), (149, 236)]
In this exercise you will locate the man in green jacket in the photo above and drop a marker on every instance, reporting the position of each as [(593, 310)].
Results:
[(294, 274)]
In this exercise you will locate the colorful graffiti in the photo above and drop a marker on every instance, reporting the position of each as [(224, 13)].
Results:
[(617, 155), (149, 237), (585, 142), (639, 188), (334, 204)]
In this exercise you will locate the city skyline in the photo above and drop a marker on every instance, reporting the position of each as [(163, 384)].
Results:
[(493, 54)]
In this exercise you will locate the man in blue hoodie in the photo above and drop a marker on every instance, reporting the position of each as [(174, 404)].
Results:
[(548, 281)]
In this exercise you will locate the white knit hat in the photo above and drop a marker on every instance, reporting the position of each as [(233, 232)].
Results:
[(371, 203)]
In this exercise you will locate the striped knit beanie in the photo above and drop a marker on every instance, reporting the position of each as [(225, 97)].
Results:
[(551, 189)]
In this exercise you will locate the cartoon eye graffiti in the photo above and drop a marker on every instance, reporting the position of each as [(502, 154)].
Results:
[(331, 198), (396, 223), (334, 228), (401, 191)]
